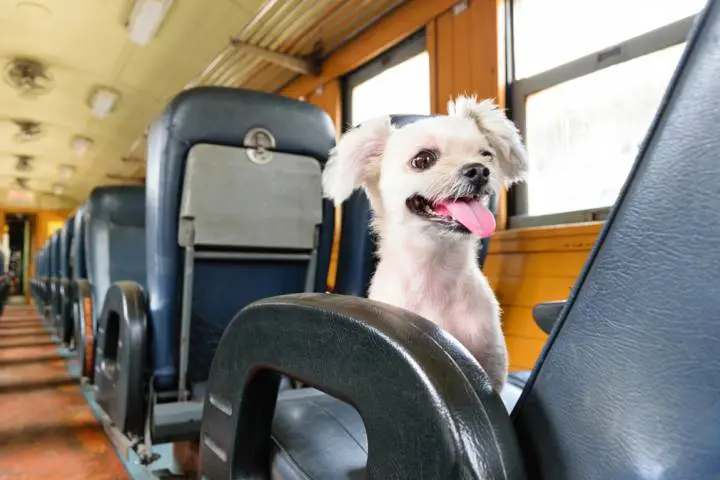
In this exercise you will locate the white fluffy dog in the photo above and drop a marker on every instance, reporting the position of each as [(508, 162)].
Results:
[(428, 184)]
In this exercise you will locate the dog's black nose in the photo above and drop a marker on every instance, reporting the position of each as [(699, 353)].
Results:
[(475, 172)]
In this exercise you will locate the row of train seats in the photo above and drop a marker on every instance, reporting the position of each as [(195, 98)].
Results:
[(55, 281), (143, 281), (232, 220)]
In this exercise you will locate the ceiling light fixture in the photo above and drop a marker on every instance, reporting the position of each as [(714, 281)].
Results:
[(145, 19), (58, 189), (102, 101), (67, 171), (80, 145)]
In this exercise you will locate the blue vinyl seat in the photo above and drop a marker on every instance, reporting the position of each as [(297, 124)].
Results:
[(234, 213), (115, 247), (83, 320), (64, 316), (54, 282)]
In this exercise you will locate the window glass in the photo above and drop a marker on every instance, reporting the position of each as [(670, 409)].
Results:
[(549, 33), (402, 88), (583, 135)]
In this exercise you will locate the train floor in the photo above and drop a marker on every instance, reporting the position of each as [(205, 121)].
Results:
[(47, 429)]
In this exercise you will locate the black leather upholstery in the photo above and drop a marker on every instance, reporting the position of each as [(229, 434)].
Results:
[(627, 386), (429, 409), (114, 239), (219, 116), (546, 314)]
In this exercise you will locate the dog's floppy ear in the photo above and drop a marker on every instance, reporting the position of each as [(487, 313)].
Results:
[(499, 130), (355, 161)]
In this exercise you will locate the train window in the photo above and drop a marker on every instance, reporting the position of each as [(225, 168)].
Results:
[(398, 81), (584, 106), (548, 33)]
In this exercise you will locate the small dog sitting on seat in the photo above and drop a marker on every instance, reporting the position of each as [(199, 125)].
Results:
[(429, 184)]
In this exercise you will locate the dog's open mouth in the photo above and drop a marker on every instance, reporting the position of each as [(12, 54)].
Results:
[(466, 215)]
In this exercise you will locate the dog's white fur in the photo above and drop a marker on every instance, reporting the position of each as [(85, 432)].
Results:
[(423, 268)]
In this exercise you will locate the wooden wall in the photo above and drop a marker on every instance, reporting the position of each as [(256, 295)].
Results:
[(466, 50), (530, 266)]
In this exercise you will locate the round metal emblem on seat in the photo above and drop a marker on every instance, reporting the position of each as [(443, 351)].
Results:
[(260, 143)]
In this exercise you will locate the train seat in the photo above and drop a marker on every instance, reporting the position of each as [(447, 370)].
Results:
[(65, 323), (54, 282), (33, 278), (40, 278), (627, 375), (4, 284), (234, 213), (84, 325), (115, 247), (44, 283)]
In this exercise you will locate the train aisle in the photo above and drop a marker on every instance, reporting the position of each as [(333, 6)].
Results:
[(47, 429)]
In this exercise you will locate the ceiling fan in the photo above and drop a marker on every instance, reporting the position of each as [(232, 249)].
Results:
[(28, 76), (28, 130), (24, 163)]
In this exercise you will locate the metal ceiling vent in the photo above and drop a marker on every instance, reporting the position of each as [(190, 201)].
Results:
[(28, 76), (24, 163), (28, 130)]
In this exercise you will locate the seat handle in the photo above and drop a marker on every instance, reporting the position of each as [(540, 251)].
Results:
[(428, 407)]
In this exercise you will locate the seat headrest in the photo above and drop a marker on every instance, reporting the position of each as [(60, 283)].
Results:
[(120, 204), (222, 116)]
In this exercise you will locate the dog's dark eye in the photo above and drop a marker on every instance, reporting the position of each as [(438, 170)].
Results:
[(485, 153), (424, 160)]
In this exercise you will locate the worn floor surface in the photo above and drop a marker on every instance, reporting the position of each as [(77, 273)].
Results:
[(47, 429)]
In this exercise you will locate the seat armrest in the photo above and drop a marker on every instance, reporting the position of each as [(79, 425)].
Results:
[(547, 313), (427, 405), (83, 327)]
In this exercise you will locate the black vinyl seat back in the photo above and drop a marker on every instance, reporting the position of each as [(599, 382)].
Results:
[(226, 226), (114, 239), (66, 238), (627, 386), (77, 249), (356, 259)]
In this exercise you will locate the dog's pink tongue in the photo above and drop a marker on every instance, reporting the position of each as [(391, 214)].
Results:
[(471, 213)]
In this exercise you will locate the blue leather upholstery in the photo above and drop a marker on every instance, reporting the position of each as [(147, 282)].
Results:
[(219, 116), (79, 266), (627, 385), (66, 237), (55, 255), (114, 239)]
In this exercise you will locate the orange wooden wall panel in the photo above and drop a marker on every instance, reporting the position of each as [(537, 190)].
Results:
[(531, 266)]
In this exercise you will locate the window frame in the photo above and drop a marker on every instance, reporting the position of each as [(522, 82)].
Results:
[(518, 90), (414, 44)]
